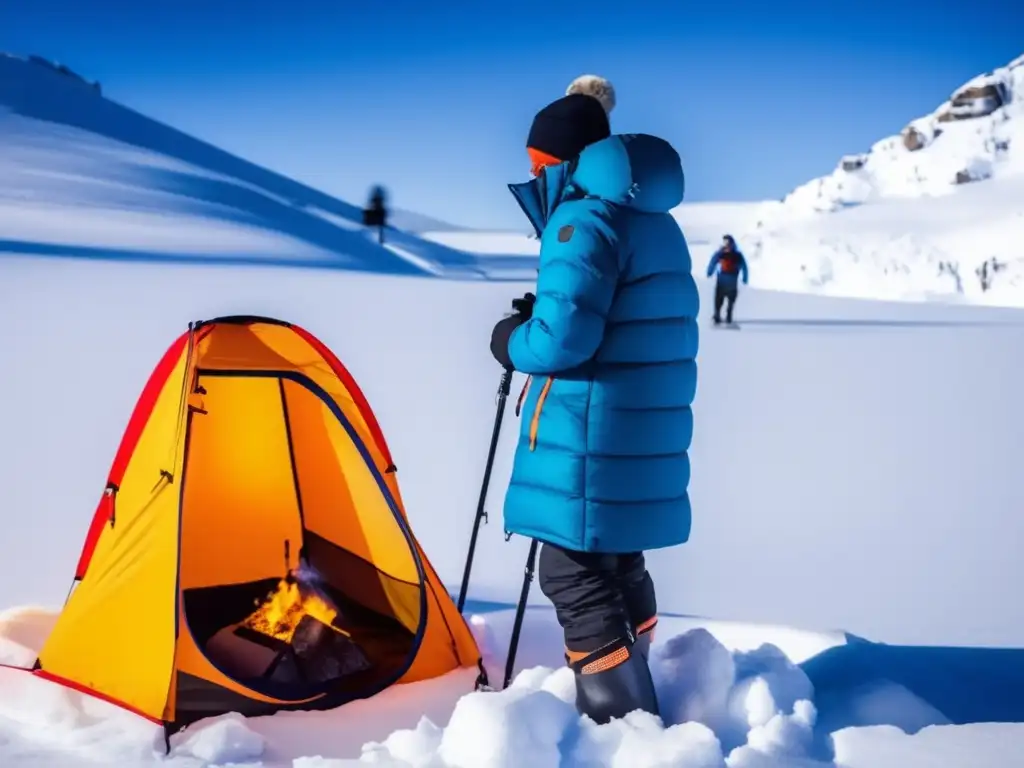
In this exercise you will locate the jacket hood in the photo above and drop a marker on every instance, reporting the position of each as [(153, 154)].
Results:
[(633, 170)]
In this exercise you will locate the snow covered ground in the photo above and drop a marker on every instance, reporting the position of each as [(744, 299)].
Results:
[(731, 695), (854, 468)]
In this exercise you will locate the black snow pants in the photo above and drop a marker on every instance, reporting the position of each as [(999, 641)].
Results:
[(724, 295), (599, 598)]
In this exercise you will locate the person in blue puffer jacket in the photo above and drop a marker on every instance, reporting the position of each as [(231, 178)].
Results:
[(601, 470), (730, 265)]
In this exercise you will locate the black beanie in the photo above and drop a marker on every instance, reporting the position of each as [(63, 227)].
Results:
[(566, 127)]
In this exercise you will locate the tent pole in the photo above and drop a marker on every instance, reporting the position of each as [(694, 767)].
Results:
[(513, 643), (481, 515)]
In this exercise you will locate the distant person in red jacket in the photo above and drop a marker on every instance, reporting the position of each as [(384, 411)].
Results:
[(729, 263)]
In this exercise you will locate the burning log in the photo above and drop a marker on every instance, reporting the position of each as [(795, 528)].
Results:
[(280, 615), (291, 637), (324, 653)]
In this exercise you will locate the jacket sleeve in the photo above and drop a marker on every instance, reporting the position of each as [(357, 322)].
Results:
[(579, 271), (713, 264), (743, 267)]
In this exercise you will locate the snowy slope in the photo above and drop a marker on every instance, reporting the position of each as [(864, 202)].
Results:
[(419, 223), (127, 188), (977, 134), (854, 468), (934, 211)]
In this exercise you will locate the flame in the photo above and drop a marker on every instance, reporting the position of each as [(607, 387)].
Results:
[(281, 613)]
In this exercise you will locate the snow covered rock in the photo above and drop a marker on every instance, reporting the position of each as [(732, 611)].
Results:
[(853, 162), (978, 98), (913, 139)]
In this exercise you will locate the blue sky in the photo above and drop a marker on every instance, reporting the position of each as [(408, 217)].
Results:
[(434, 99)]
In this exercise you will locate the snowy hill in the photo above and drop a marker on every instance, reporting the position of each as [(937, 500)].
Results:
[(854, 471), (934, 211), (419, 223), (68, 153), (977, 134)]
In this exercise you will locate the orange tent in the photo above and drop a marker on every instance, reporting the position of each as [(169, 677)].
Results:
[(251, 552)]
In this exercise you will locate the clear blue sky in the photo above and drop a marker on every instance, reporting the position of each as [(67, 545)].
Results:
[(434, 99)]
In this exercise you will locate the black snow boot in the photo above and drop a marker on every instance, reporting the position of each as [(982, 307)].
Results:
[(612, 682)]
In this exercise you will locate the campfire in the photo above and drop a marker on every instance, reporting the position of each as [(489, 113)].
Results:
[(292, 637), (280, 615)]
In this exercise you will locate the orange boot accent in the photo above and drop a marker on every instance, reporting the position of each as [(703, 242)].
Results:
[(599, 660), (572, 657), (647, 627)]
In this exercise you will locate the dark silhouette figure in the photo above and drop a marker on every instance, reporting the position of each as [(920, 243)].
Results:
[(376, 212)]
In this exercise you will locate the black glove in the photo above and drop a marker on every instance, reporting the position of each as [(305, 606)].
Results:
[(522, 311), (524, 306)]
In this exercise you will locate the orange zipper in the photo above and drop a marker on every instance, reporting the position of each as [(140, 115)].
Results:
[(535, 422)]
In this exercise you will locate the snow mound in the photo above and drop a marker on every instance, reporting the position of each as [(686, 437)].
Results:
[(222, 741), (22, 633), (719, 709), (39, 715)]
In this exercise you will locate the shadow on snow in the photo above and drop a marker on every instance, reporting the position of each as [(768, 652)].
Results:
[(825, 322)]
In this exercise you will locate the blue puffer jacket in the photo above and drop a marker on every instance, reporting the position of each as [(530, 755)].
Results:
[(602, 464)]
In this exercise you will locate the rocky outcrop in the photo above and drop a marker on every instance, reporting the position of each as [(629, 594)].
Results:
[(913, 139), (978, 172), (852, 163), (977, 100), (987, 270)]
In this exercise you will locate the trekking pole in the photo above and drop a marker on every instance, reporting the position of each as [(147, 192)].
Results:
[(522, 307), (517, 625), (481, 514)]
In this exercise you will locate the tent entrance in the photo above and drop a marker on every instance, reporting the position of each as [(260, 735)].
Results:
[(297, 577)]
